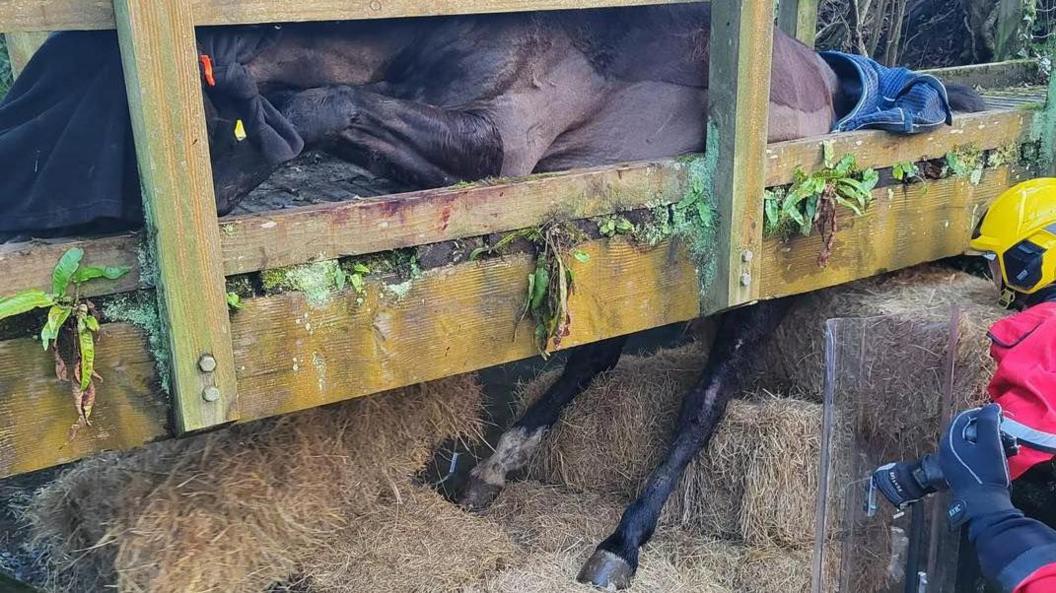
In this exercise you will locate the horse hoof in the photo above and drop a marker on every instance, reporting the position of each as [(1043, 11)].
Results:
[(478, 495), (606, 570)]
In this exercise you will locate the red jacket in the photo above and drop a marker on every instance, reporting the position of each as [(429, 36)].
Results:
[(1024, 346)]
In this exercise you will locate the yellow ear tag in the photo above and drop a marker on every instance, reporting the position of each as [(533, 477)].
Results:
[(240, 131)]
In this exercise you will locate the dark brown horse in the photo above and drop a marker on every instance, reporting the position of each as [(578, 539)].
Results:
[(430, 102)]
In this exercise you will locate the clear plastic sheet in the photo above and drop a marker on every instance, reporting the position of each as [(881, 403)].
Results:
[(888, 391)]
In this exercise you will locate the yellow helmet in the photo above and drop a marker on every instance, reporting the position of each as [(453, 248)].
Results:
[(1018, 236)]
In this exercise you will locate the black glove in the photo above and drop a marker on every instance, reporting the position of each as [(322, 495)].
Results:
[(973, 462)]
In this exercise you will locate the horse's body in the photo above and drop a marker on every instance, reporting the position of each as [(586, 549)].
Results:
[(436, 101), (430, 102)]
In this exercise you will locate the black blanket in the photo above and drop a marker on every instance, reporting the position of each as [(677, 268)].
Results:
[(66, 144)]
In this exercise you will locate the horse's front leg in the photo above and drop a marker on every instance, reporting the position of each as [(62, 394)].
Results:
[(419, 144), (739, 334), (521, 440)]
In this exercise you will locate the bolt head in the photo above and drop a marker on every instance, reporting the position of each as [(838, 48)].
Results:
[(211, 394), (746, 279), (747, 256), (207, 363)]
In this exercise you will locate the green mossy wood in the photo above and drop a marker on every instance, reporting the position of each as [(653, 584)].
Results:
[(741, 52), (165, 101)]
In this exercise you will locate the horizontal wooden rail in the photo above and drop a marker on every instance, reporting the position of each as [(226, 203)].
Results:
[(996, 75), (60, 15), (294, 355), (299, 235)]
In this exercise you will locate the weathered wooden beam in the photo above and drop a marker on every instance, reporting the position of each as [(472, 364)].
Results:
[(36, 410), (168, 119), (984, 131), (56, 15), (904, 226), (293, 354), (1009, 28), (996, 75), (799, 18), (299, 235), (21, 47), (742, 35)]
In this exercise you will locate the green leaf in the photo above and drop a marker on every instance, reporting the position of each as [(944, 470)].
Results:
[(87, 273), (846, 165), (91, 322), (773, 213), (581, 256), (360, 269), (234, 301), (340, 279), (976, 176), (869, 179), (542, 284), (476, 253), (356, 280), (623, 225), (24, 302), (87, 344), (848, 204), (65, 269), (57, 316), (828, 150)]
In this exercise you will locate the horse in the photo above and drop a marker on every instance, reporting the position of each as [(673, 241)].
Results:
[(435, 101)]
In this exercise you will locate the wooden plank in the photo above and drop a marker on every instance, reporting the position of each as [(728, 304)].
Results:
[(903, 227), (996, 75), (29, 265), (56, 15), (298, 235), (742, 35), (293, 355), (168, 119), (36, 410), (799, 18), (21, 47), (986, 130), (277, 239)]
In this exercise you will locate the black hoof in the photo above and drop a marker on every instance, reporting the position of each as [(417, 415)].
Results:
[(606, 571), (478, 495)]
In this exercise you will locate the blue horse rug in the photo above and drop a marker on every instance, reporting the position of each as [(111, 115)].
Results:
[(897, 100)]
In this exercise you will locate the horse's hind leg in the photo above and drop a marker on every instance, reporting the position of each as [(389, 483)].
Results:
[(417, 143), (518, 443), (739, 333)]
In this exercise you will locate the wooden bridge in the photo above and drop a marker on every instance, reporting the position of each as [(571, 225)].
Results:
[(286, 352)]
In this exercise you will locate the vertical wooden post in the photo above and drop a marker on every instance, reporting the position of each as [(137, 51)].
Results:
[(165, 100), (799, 18), (21, 47), (742, 37)]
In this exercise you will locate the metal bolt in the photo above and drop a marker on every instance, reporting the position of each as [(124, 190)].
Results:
[(746, 279), (747, 256), (211, 394), (207, 363)]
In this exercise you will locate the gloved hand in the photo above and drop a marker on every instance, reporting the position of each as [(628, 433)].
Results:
[(973, 462)]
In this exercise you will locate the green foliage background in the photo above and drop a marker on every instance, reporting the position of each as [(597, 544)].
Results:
[(5, 68)]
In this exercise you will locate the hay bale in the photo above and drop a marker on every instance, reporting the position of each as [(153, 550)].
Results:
[(418, 543), (558, 530), (793, 359), (239, 509), (615, 433), (769, 570), (782, 476), (763, 455)]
